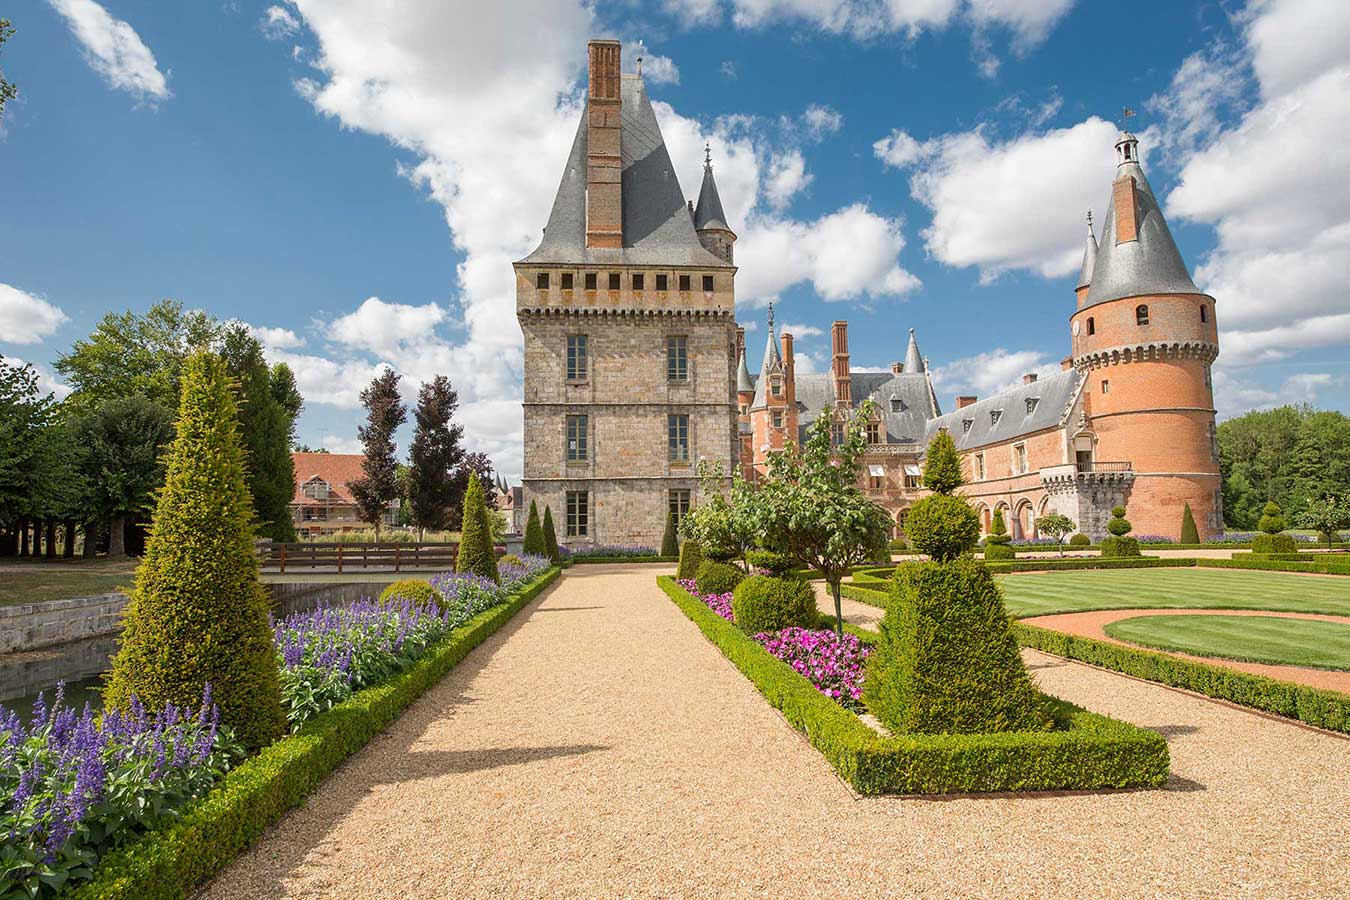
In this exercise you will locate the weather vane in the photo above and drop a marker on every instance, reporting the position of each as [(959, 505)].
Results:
[(640, 51), (1125, 115), (707, 153)]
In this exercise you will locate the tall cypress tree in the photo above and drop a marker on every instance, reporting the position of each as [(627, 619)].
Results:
[(265, 426), (534, 533), (550, 535), (434, 455), (378, 486), (198, 614)]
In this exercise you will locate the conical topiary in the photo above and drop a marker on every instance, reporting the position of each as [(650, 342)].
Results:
[(691, 557), (197, 614), (550, 536), (1119, 545), (1272, 519), (996, 542), (947, 661), (1189, 533), (669, 545), (534, 533), (476, 554)]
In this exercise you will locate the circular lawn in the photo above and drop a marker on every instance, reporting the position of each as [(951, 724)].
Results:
[(1261, 639)]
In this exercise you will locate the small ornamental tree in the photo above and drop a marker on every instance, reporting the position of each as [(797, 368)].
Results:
[(941, 524), (1056, 526), (198, 615), (550, 535), (669, 545), (1118, 545), (378, 485), (811, 507), (1273, 524), (996, 543), (476, 554), (1272, 519), (725, 525), (1327, 516), (691, 557), (534, 533)]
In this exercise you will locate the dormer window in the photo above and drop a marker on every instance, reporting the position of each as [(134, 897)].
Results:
[(1031, 405), (897, 405), (994, 416), (965, 425), (317, 489)]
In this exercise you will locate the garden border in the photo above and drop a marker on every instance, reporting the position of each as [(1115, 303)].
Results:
[(1095, 753), (170, 862), (1311, 567), (590, 560)]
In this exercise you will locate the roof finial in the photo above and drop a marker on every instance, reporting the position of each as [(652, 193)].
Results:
[(770, 316), (640, 51), (1125, 115), (1089, 220), (707, 154)]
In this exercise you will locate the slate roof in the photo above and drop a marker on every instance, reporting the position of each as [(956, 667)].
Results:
[(1150, 265), (1052, 394), (744, 381), (1089, 258), (657, 226), (905, 422), (708, 213)]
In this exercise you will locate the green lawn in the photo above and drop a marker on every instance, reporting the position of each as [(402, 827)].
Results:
[(1263, 639), (29, 581), (1057, 592)]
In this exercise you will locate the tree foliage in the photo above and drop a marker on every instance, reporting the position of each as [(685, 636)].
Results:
[(1272, 519), (434, 456), (550, 535), (198, 615), (811, 507), (25, 416), (8, 89), (534, 533), (669, 545), (725, 524), (474, 463), (1057, 526), (378, 485), (1290, 455), (942, 524), (942, 465), (476, 553), (1326, 515)]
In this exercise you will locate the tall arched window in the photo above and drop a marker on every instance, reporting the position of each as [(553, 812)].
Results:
[(1092, 325), (1141, 315), (1204, 316)]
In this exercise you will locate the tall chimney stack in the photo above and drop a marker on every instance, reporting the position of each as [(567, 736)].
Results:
[(843, 393), (1029, 378), (604, 162), (965, 400)]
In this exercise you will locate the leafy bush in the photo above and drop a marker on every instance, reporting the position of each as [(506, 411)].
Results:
[(1080, 540), (74, 786), (1272, 519), (669, 545), (898, 545), (534, 533), (947, 662), (198, 614), (608, 552), (509, 559), (691, 557), (1120, 547), (762, 603), (999, 551), (717, 577), (414, 590), (476, 553), (942, 465), (769, 562), (1119, 526), (550, 536), (998, 530), (1274, 543), (943, 527)]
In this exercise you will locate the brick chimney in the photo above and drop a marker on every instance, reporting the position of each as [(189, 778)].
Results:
[(1029, 378), (964, 401), (897, 368), (843, 382), (789, 377), (604, 163), (1125, 199), (1066, 363), (740, 343)]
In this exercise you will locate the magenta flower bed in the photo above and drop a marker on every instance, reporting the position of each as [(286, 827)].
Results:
[(833, 664)]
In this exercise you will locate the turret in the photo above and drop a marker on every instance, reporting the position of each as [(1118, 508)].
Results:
[(1144, 337), (709, 220)]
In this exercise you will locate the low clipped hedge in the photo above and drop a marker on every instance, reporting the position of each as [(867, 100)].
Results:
[(168, 863), (999, 552), (871, 596), (587, 560), (1094, 752), (1096, 562), (1274, 543), (1324, 709), (1305, 563)]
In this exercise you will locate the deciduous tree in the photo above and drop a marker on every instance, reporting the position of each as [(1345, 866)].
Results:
[(435, 456), (378, 485)]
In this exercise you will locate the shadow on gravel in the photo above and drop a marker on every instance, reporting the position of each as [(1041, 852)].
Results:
[(567, 609), (431, 763), (1171, 731), (1178, 785)]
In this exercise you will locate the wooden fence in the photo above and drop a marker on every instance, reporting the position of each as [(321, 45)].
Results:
[(313, 557)]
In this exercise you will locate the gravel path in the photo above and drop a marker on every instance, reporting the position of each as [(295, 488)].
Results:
[(598, 746), (1093, 625)]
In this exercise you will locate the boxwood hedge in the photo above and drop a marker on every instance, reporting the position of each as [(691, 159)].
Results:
[(168, 863), (1093, 752)]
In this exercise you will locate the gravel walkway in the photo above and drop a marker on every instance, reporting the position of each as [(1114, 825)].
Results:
[(598, 746), (1093, 625)]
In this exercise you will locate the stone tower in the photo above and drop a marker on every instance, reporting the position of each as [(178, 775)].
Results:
[(1144, 338), (630, 334)]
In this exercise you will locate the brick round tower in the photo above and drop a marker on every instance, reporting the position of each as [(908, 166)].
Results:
[(1144, 338)]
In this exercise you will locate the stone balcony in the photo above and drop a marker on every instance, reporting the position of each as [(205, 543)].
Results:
[(1073, 475)]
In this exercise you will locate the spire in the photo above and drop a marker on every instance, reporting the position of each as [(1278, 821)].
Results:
[(1089, 256), (772, 357), (744, 384), (708, 211), (913, 360)]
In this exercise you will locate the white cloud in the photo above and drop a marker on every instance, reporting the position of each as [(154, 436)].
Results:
[(393, 330), (1207, 84), (990, 373), (787, 176), (276, 338), (338, 444), (334, 382), (800, 331), (806, 363), (821, 120), (1234, 395), (25, 318), (1294, 41), (277, 23), (114, 50), (656, 69), (1018, 204), (47, 382)]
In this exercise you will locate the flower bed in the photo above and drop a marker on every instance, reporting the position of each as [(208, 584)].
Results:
[(608, 551)]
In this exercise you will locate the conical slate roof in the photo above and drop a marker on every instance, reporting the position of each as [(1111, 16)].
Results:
[(1089, 258), (708, 213), (913, 359), (744, 382), (1150, 265), (657, 229)]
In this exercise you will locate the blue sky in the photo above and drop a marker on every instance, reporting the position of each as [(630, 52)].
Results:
[(354, 181)]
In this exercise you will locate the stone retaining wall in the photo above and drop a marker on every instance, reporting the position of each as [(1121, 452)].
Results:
[(27, 626)]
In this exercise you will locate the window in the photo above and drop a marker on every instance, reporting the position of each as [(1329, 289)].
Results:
[(639, 280), (614, 281), (577, 363), (662, 282), (1141, 314), (684, 282), (566, 281), (776, 386), (590, 281), (777, 418), (1031, 405), (1092, 325), (1106, 386), (578, 514), (677, 437), (541, 281), (707, 283), (1127, 152), (965, 425), (897, 405), (1204, 316), (1209, 378), (1019, 459), (677, 358), (874, 432), (1213, 442), (979, 466), (994, 416), (316, 489), (316, 514), (836, 434), (679, 505), (576, 438), (912, 476)]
